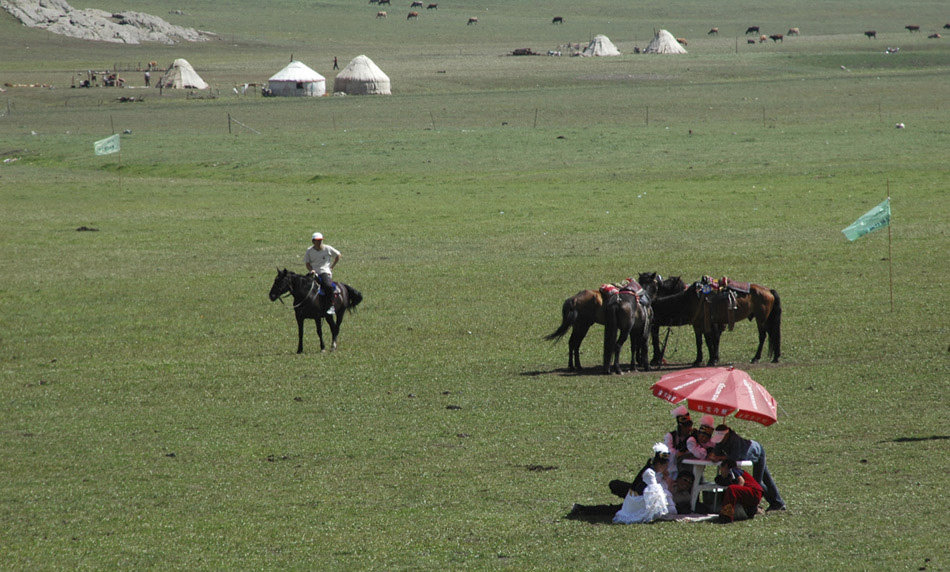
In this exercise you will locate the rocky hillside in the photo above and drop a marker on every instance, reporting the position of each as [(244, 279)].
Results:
[(59, 17)]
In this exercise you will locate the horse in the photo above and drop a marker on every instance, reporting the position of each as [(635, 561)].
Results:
[(307, 305), (578, 314), (709, 317), (628, 315)]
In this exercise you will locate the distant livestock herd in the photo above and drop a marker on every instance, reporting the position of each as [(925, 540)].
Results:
[(871, 34)]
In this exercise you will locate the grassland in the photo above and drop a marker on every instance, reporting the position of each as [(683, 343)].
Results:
[(155, 415)]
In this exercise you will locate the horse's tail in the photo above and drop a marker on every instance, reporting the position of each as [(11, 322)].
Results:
[(354, 296), (773, 326), (568, 317)]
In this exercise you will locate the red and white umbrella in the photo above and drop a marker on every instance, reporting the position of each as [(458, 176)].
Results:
[(719, 391)]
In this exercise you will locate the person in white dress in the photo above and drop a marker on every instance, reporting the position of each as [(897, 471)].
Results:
[(656, 500)]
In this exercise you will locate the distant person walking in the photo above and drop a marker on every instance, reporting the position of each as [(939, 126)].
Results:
[(148, 78), (336, 66)]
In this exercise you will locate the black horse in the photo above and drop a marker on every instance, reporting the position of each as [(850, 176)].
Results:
[(673, 306), (628, 314), (307, 305)]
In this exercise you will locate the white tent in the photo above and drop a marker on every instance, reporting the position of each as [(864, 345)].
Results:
[(297, 80), (362, 77), (182, 76), (664, 43), (601, 46)]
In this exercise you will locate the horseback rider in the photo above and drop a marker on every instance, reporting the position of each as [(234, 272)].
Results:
[(320, 260)]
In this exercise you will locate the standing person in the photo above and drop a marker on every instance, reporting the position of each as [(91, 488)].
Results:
[(335, 65), (729, 445), (650, 498), (148, 78), (320, 260), (676, 439), (743, 493)]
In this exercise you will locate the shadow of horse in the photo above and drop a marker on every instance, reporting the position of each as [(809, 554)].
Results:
[(308, 305)]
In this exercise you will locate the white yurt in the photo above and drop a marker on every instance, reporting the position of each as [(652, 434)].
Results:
[(601, 46), (361, 77), (297, 79), (664, 43), (182, 76)]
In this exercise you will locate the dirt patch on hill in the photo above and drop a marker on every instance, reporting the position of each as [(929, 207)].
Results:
[(58, 17)]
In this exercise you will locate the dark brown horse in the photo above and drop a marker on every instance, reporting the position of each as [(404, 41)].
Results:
[(671, 308), (578, 314), (308, 305), (628, 314), (710, 314)]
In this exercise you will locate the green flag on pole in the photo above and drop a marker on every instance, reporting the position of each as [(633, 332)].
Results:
[(108, 145), (878, 217)]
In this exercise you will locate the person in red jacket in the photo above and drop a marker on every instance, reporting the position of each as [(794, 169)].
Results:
[(743, 493)]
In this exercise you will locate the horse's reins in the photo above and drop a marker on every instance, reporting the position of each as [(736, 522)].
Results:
[(305, 298)]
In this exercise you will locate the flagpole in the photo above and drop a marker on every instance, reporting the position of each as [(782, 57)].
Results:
[(890, 260)]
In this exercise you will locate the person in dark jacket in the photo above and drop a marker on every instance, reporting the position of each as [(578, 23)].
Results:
[(730, 445)]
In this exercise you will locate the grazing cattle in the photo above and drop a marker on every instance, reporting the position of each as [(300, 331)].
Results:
[(382, 15), (374, 1), (416, 4), (472, 20), (871, 34), (713, 32), (432, 7), (557, 20), (793, 31), (412, 15), (750, 41), (381, 2), (152, 65), (682, 41), (752, 30), (912, 28), (934, 36), (777, 38), (763, 38), (946, 26)]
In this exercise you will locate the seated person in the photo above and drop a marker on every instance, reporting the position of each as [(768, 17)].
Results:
[(699, 445), (655, 500), (743, 494)]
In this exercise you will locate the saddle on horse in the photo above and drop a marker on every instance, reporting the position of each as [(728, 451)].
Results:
[(721, 295), (626, 286)]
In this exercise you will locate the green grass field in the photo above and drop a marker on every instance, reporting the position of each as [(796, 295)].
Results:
[(155, 415)]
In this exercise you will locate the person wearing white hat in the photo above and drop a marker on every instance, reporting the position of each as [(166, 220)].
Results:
[(730, 445), (649, 497), (676, 439), (320, 259), (699, 445)]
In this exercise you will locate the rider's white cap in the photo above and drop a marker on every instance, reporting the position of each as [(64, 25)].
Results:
[(316, 236)]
